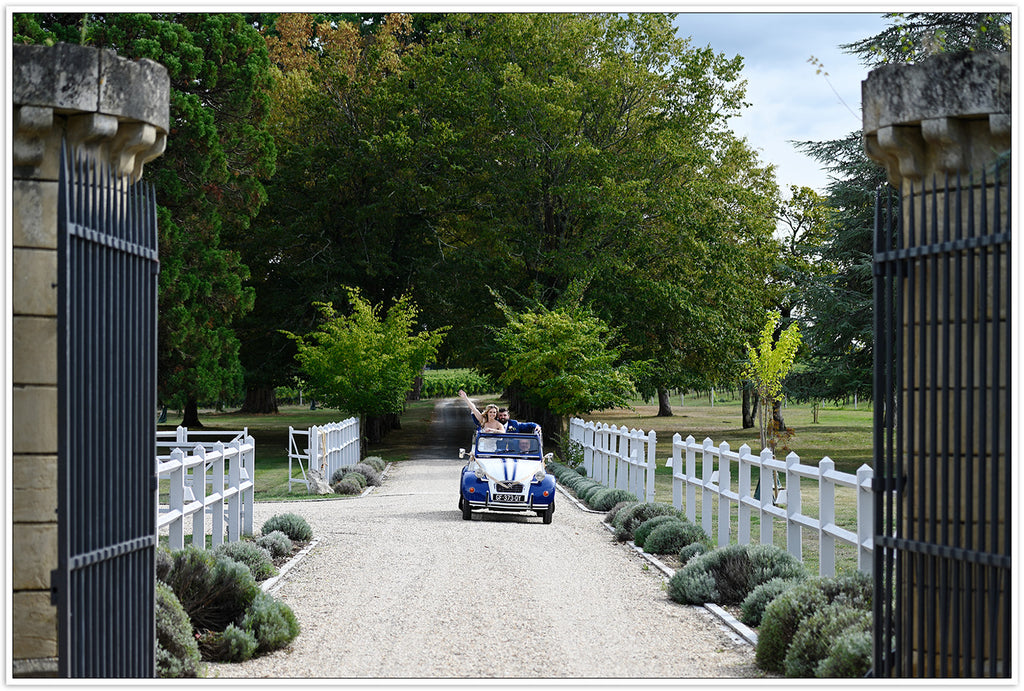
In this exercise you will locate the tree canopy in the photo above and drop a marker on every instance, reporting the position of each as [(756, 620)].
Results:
[(446, 155), (208, 181)]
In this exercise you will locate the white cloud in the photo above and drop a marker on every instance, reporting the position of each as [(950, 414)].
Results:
[(790, 101)]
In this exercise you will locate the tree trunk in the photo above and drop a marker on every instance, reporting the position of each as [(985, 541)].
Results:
[(191, 417), (376, 427), (777, 416), (551, 425), (664, 406), (416, 390), (260, 400), (749, 406)]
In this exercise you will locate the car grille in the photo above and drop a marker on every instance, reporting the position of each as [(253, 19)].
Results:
[(509, 486)]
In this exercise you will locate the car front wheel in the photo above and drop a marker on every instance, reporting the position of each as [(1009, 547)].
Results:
[(467, 510), (548, 515)]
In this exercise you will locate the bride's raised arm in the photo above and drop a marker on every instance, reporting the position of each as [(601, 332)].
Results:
[(476, 413)]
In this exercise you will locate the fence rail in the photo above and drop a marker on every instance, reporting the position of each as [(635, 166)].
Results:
[(329, 447), (716, 486), (199, 485), (617, 457)]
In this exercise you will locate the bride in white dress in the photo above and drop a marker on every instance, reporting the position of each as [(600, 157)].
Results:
[(488, 420)]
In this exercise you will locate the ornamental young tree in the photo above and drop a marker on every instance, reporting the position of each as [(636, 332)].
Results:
[(767, 367), (364, 363), (557, 359)]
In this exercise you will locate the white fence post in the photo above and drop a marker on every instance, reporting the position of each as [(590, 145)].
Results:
[(199, 494), (652, 464), (691, 471), (724, 482), (745, 493), (675, 462), (234, 500), (826, 518), (707, 468), (765, 480), (176, 501), (248, 485), (588, 448), (217, 497), (794, 507), (865, 519)]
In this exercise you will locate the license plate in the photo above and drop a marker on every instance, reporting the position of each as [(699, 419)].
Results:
[(508, 497)]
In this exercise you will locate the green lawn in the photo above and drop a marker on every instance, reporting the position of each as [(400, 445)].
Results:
[(270, 432)]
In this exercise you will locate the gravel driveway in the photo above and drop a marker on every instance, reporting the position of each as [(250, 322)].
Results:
[(400, 587)]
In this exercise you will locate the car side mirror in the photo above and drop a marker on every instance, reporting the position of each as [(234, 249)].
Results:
[(462, 453), (548, 457)]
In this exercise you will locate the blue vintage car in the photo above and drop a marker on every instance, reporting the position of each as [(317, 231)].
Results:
[(506, 472)]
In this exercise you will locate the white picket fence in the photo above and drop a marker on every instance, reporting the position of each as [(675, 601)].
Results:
[(626, 458), (328, 447), (617, 457), (210, 486), (716, 487)]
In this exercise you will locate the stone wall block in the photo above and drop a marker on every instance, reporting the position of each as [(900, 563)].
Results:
[(34, 420), (64, 77), (35, 621), (36, 547), (35, 282), (35, 350), (36, 224), (136, 90), (34, 481)]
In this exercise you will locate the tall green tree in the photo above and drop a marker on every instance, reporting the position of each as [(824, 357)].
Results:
[(593, 149), (839, 326), (340, 211), (839, 304), (208, 181)]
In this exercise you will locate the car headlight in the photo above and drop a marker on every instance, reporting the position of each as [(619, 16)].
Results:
[(539, 475), (480, 475)]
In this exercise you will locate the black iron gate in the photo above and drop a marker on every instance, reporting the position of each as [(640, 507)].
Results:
[(107, 279), (942, 430)]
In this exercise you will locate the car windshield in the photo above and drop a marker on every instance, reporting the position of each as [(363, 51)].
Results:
[(516, 444)]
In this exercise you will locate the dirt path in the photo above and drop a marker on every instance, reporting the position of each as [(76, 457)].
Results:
[(400, 587)]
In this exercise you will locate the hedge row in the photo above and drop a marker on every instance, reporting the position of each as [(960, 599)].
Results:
[(809, 627), (353, 479), (209, 605), (590, 492)]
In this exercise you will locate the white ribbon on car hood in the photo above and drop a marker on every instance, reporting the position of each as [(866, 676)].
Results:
[(503, 469)]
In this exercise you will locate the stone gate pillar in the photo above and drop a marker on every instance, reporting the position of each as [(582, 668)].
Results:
[(950, 115), (117, 111)]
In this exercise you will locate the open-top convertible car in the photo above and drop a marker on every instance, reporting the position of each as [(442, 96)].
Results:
[(506, 472)]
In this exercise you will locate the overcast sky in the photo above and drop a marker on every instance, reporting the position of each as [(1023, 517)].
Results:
[(789, 100)]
